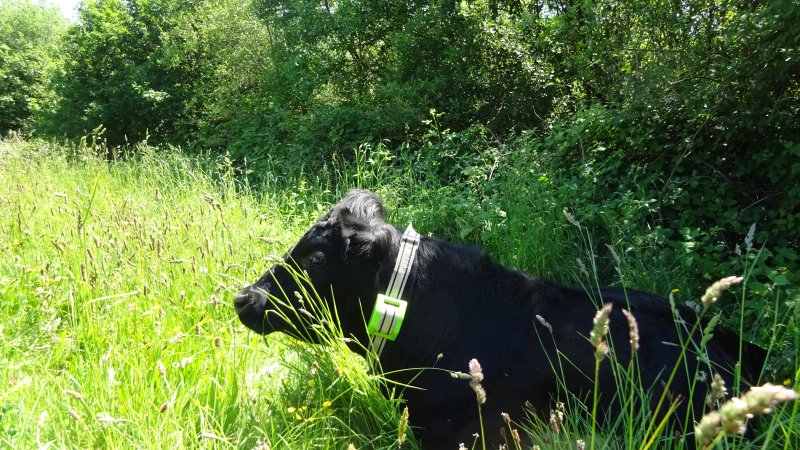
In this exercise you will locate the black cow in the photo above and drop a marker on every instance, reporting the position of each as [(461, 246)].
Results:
[(462, 305)]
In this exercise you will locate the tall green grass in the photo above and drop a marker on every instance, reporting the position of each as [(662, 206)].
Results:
[(116, 278), (117, 272)]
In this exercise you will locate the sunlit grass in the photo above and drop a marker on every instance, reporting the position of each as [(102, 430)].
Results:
[(116, 280)]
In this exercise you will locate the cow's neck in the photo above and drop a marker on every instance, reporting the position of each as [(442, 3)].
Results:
[(454, 288), (388, 313)]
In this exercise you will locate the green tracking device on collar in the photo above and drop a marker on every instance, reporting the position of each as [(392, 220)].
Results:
[(387, 317)]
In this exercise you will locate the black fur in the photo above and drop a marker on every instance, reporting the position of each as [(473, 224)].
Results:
[(464, 306)]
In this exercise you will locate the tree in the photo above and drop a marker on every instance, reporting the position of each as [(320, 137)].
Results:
[(29, 34), (117, 72)]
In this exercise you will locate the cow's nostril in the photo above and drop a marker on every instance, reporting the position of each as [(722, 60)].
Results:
[(248, 296), (242, 298)]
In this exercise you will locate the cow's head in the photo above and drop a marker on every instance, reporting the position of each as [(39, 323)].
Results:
[(339, 258)]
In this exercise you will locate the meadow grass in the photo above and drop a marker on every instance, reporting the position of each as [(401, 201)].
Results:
[(116, 279), (117, 330)]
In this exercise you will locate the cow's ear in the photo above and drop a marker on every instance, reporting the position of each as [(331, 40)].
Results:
[(363, 238)]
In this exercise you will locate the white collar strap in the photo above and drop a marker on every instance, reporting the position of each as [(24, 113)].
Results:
[(390, 308)]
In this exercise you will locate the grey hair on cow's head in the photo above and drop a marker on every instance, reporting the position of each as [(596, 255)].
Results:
[(363, 224), (363, 205)]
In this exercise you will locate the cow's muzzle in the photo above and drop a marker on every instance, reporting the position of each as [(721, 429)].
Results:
[(251, 306), (247, 297)]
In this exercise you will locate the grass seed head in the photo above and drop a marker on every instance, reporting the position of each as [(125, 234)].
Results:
[(582, 267), (733, 414), (718, 390), (571, 219), (717, 289), (557, 417), (476, 377), (615, 255), (42, 419), (633, 326), (210, 436), (599, 331), (545, 323), (73, 394), (748, 240), (58, 246), (554, 423), (402, 428), (708, 428), (161, 368), (106, 418), (762, 399)]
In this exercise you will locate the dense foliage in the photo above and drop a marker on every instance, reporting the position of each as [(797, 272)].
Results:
[(119, 73), (29, 37), (668, 128)]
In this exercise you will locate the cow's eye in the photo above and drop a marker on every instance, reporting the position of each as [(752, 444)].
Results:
[(316, 259)]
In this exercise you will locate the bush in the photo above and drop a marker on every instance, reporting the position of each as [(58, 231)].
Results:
[(29, 34)]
